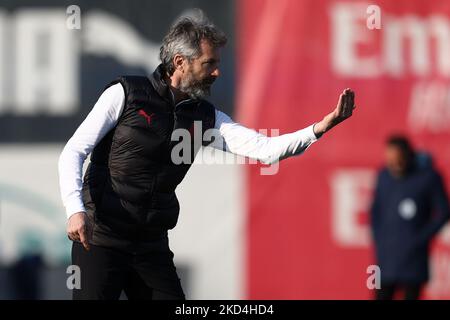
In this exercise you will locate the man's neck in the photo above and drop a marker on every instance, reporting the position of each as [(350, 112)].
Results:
[(174, 84)]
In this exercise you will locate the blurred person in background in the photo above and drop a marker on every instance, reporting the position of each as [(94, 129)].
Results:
[(26, 274), (410, 206), (119, 214)]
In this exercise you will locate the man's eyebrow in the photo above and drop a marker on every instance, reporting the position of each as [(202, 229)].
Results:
[(211, 60)]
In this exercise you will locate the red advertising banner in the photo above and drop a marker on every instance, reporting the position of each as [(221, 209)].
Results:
[(308, 232)]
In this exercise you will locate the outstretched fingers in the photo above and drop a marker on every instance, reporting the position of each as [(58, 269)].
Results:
[(340, 104), (349, 98)]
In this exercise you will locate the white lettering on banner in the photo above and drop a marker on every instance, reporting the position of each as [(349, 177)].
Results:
[(351, 192), (349, 32), (395, 32), (444, 235), (440, 28), (429, 107), (439, 285), (346, 32), (47, 62), (41, 70)]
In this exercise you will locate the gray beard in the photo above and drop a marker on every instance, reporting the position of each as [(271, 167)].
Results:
[(195, 89)]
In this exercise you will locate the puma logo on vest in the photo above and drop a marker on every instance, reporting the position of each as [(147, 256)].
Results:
[(147, 117)]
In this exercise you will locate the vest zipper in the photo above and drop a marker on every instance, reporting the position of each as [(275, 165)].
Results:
[(174, 113)]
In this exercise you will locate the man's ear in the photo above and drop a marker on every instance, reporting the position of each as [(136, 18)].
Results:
[(178, 62)]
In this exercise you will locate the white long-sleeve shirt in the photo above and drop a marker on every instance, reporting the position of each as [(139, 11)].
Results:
[(103, 117)]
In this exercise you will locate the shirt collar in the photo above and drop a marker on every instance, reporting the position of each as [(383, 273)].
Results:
[(160, 85)]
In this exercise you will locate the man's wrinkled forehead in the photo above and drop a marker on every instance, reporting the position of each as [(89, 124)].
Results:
[(209, 53)]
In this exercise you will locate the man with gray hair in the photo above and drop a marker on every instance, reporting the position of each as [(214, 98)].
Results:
[(120, 212)]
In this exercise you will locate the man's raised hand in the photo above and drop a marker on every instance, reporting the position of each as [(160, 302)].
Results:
[(343, 111)]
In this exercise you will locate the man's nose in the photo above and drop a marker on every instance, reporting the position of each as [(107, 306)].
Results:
[(216, 73)]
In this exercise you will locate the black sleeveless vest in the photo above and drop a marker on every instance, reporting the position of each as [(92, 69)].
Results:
[(129, 185)]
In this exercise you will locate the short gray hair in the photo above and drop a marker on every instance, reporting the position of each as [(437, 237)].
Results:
[(185, 37)]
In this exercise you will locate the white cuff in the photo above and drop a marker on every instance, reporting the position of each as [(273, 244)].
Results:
[(74, 206), (310, 133)]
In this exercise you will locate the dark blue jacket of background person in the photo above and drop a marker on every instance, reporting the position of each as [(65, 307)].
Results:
[(406, 213)]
